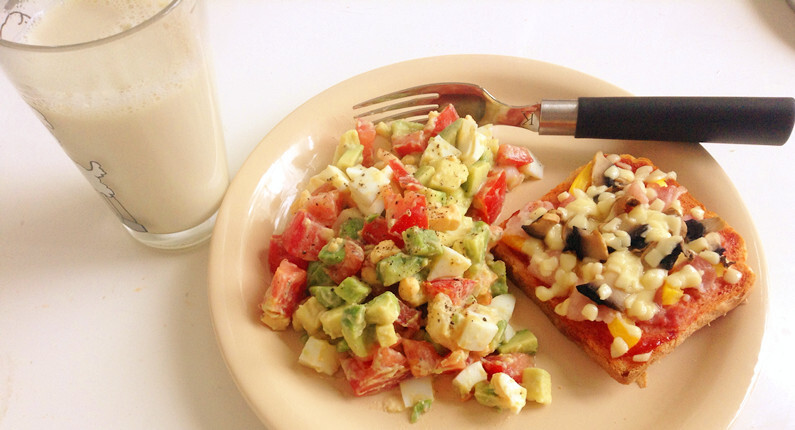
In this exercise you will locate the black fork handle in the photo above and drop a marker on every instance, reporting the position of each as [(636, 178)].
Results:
[(750, 120)]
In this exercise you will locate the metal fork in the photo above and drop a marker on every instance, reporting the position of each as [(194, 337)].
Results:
[(754, 120)]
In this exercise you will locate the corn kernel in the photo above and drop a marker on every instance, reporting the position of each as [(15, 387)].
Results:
[(732, 275)]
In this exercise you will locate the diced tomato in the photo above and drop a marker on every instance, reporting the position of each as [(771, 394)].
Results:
[(277, 253), (406, 211), (458, 289), (487, 203), (512, 155), (350, 265), (377, 230), (286, 290), (406, 180), (366, 132), (387, 368), (409, 143), (325, 206), (453, 362), (422, 357), (512, 364), (304, 237), (446, 117), (408, 320)]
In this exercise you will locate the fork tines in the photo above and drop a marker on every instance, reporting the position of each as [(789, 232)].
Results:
[(411, 103)]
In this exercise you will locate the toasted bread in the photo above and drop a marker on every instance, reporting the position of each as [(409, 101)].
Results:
[(635, 318)]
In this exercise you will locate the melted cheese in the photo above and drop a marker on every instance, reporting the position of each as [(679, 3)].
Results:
[(631, 275)]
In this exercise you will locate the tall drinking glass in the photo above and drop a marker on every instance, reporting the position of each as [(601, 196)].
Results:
[(126, 88)]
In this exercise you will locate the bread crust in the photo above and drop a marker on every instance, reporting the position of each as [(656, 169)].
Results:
[(677, 322)]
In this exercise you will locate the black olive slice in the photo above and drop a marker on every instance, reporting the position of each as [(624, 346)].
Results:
[(669, 260), (637, 241), (590, 291), (694, 229), (574, 243)]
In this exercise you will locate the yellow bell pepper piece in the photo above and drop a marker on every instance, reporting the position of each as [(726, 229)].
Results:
[(670, 295), (583, 179), (625, 329)]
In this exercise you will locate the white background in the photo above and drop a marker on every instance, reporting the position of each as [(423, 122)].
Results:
[(97, 331)]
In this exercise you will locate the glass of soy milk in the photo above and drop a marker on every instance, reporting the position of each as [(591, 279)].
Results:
[(126, 88)]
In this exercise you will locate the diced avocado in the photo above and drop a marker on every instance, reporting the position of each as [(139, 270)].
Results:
[(325, 296), (351, 228), (451, 131), (488, 156), (349, 150), (403, 127), (383, 309), (353, 327), (424, 174), (420, 408), (331, 320), (383, 129), (307, 316), (342, 346), (353, 321), (500, 286), (398, 266), (386, 335), (538, 384), (316, 274), (352, 290), (478, 172), (460, 198), (523, 341), (500, 336), (486, 396), (449, 174), (333, 252), (435, 198), (350, 157), (476, 243), (422, 242)]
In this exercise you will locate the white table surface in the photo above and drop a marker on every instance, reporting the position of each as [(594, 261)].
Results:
[(98, 331)]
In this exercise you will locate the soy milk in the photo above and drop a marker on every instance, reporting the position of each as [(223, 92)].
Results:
[(136, 119)]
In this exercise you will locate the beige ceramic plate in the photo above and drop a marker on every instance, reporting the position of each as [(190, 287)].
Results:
[(701, 385)]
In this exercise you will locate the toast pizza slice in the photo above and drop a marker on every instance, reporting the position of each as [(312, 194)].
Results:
[(625, 262)]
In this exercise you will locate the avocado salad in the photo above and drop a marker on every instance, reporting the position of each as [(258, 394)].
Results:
[(384, 266)]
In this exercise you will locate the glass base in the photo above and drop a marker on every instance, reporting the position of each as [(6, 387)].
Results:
[(180, 240)]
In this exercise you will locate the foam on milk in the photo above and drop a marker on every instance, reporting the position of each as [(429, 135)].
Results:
[(78, 21)]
